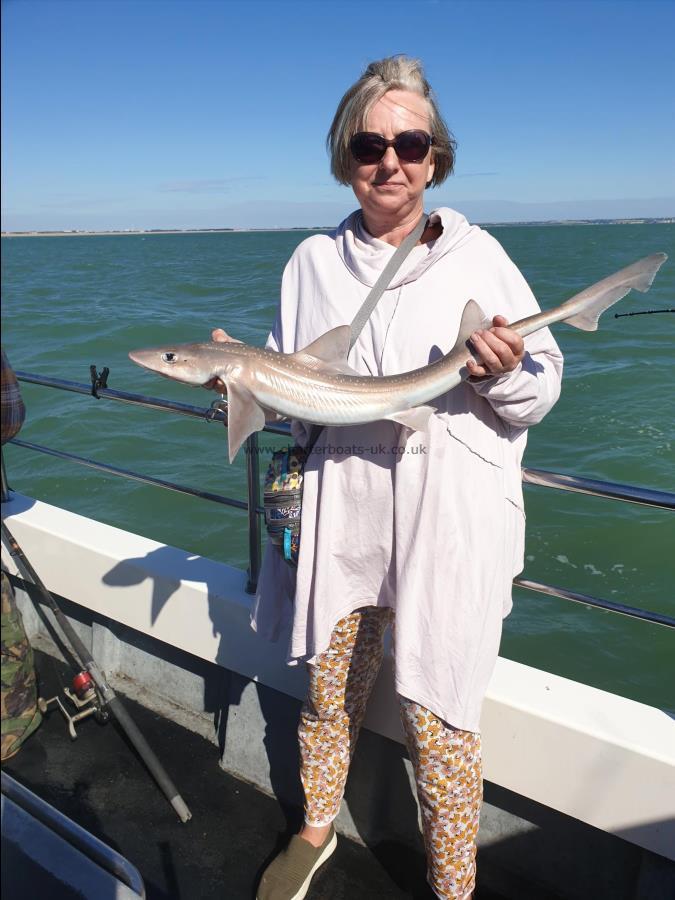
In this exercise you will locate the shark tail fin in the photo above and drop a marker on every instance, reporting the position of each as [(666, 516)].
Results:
[(589, 305)]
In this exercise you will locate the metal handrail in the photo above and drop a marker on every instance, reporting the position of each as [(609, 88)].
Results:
[(612, 490), (134, 476), (76, 387), (633, 612), (560, 481), (540, 477)]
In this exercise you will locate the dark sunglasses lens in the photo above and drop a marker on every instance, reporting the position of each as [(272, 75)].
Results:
[(412, 146), (367, 148)]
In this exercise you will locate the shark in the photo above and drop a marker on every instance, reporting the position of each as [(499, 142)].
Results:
[(316, 385)]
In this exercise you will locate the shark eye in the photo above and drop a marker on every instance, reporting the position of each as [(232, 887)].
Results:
[(169, 357)]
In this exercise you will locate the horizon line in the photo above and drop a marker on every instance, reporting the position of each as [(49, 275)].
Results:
[(619, 220)]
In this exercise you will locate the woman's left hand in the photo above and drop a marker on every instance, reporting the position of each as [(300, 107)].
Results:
[(500, 350)]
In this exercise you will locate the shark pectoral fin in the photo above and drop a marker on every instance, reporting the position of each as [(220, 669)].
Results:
[(244, 416), (416, 419)]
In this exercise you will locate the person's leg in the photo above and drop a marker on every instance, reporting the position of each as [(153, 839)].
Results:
[(340, 684), (448, 772)]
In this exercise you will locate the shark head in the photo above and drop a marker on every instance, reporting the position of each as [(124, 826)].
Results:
[(194, 364)]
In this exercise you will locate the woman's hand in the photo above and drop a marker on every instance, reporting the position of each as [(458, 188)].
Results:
[(216, 384), (500, 350)]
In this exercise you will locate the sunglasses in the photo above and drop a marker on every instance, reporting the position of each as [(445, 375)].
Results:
[(410, 146)]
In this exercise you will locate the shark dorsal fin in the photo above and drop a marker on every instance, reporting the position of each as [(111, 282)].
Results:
[(473, 319), (328, 353), (331, 347)]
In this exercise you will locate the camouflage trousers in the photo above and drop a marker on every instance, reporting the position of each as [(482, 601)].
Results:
[(20, 714)]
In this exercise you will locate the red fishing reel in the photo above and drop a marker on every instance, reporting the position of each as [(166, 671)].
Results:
[(82, 694), (83, 685)]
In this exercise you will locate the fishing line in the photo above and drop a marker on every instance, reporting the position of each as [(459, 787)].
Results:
[(644, 312)]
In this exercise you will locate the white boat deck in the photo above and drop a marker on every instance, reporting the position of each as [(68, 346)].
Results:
[(597, 757)]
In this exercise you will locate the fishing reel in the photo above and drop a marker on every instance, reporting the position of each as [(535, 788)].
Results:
[(217, 411), (84, 696)]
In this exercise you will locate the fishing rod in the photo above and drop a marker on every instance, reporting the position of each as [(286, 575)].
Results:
[(84, 689), (643, 312)]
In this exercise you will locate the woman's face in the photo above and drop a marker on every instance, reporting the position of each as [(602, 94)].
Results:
[(390, 192)]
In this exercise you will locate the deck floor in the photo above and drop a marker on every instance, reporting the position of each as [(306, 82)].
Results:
[(100, 783)]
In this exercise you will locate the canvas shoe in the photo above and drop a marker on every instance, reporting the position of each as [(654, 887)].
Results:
[(289, 874)]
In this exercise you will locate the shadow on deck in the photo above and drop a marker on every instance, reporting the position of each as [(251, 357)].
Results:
[(101, 784)]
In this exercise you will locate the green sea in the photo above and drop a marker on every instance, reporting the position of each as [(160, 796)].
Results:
[(72, 301)]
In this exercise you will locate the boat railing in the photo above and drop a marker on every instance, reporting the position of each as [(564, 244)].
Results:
[(559, 481)]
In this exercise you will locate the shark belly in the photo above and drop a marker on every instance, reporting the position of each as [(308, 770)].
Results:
[(323, 408)]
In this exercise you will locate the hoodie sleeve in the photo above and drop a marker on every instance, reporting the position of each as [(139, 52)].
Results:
[(522, 397)]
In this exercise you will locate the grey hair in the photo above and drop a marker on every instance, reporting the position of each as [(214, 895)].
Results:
[(392, 73)]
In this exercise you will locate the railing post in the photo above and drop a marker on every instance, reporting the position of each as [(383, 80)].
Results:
[(254, 529)]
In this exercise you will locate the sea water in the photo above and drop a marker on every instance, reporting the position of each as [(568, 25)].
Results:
[(73, 301)]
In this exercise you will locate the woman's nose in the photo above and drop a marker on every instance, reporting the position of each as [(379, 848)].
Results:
[(389, 161)]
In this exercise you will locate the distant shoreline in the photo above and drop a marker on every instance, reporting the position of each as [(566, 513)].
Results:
[(153, 231)]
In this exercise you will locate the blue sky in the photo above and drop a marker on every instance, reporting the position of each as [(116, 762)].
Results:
[(208, 113)]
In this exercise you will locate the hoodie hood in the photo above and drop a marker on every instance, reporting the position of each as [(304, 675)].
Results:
[(366, 256)]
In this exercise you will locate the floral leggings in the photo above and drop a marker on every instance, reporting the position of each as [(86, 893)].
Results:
[(447, 761)]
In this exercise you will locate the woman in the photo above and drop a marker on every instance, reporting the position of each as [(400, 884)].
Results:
[(423, 530)]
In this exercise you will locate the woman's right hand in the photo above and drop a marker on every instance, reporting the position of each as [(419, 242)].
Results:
[(219, 335), (216, 384)]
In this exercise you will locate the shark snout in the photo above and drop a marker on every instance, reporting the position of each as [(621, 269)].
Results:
[(141, 358)]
